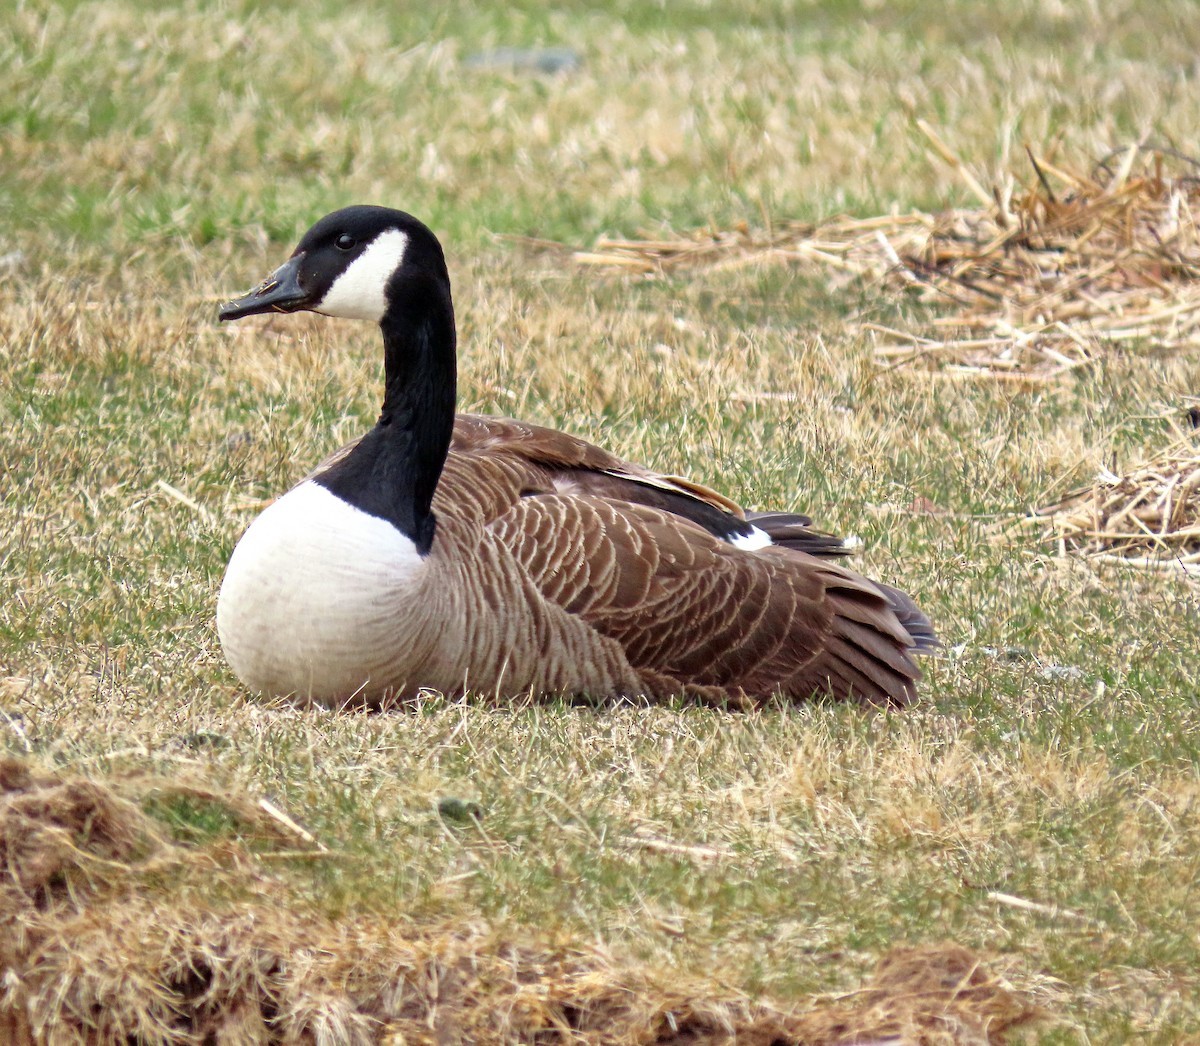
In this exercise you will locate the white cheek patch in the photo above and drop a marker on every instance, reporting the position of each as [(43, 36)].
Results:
[(359, 293), (753, 541)]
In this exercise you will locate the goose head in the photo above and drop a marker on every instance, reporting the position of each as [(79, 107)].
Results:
[(356, 263), (379, 264)]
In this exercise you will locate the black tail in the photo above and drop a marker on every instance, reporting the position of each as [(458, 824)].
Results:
[(791, 530), (915, 623)]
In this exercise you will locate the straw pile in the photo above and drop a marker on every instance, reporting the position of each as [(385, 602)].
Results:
[(1029, 285), (113, 931), (1149, 517)]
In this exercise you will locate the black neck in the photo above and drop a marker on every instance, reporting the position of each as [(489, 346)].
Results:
[(394, 470)]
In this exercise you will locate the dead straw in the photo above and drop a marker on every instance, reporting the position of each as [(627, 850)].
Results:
[(1148, 517), (1029, 285)]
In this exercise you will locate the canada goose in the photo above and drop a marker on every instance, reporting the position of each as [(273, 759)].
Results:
[(485, 554)]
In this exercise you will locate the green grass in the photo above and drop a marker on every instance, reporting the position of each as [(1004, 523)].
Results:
[(155, 160)]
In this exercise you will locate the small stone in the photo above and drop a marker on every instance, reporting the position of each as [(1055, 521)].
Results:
[(204, 739), (521, 59), (460, 811)]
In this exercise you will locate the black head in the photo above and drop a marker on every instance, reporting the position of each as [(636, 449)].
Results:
[(348, 264)]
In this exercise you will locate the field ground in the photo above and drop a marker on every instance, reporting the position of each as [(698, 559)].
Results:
[(1040, 806)]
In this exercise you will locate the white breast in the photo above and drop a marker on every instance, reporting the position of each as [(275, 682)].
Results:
[(312, 596)]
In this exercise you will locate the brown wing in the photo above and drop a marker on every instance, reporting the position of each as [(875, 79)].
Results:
[(532, 458), (494, 462), (693, 611)]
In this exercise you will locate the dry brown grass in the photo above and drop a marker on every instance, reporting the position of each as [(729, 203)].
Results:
[(90, 954), (1030, 284)]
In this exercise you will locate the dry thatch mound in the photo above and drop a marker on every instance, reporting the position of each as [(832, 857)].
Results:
[(111, 931), (1031, 284), (1149, 517)]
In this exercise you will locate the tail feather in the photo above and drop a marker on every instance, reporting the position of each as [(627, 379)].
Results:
[(794, 531), (916, 624)]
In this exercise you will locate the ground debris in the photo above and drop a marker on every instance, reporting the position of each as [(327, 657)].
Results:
[(1147, 517), (1030, 284), (111, 930)]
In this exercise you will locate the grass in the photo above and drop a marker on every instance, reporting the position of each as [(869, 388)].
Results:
[(157, 160)]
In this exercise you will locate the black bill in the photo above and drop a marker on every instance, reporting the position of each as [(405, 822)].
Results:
[(279, 292)]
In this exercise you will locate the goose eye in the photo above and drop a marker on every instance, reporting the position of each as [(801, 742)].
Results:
[(345, 242)]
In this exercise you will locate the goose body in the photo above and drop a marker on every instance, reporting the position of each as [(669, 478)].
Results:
[(455, 553)]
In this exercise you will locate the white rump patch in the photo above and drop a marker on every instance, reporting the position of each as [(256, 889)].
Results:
[(753, 541), (360, 292)]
